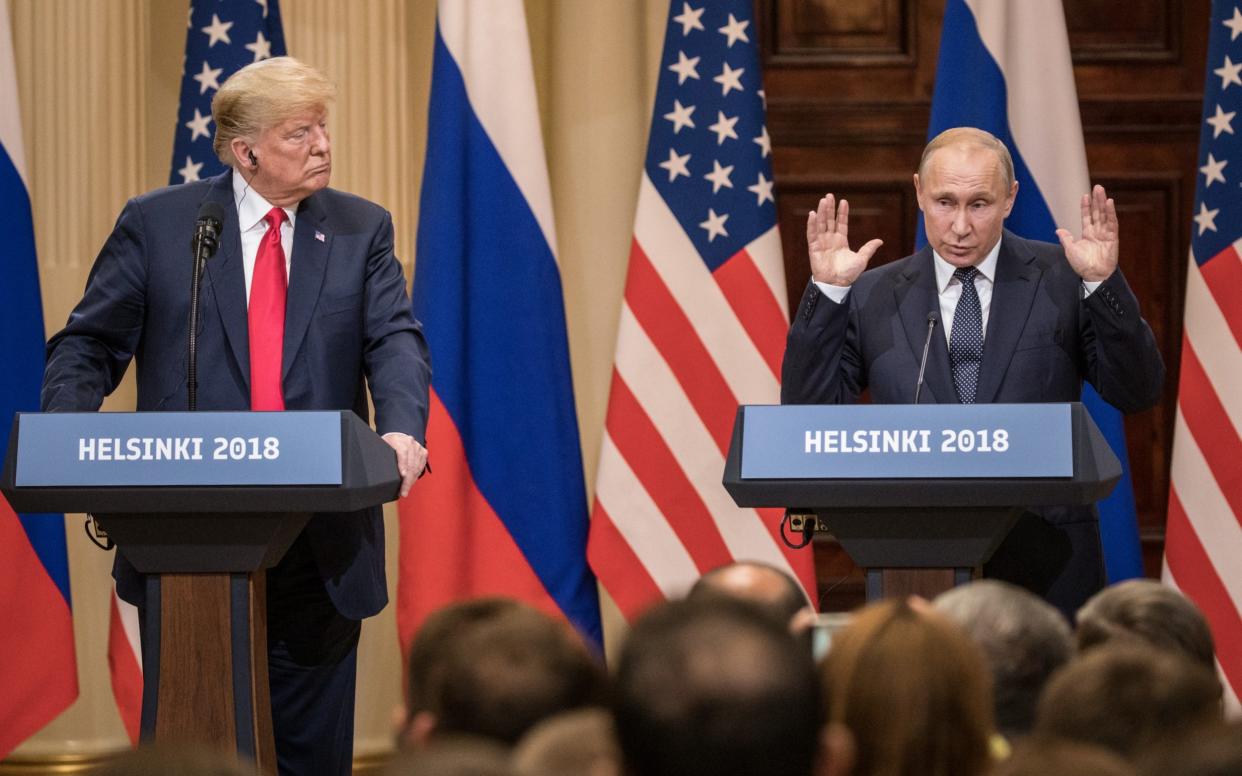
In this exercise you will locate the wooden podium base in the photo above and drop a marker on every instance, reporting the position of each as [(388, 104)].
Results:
[(902, 583), (199, 630)]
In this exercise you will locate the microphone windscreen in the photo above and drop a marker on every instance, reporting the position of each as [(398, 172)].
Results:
[(212, 211)]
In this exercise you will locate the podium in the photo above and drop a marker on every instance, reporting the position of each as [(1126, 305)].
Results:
[(203, 503), (916, 487)]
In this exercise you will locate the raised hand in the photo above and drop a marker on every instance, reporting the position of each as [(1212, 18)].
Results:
[(1094, 255), (827, 242)]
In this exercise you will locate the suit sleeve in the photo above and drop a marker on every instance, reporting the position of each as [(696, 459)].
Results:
[(395, 355), (1123, 363), (822, 364), (88, 357)]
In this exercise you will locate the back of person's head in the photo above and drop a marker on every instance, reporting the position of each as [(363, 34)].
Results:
[(453, 756), (1024, 639), (508, 673), (166, 760), (1128, 697), (437, 639), (1213, 751), (1058, 757), (575, 743), (768, 586), (913, 690), (1143, 610), (715, 687)]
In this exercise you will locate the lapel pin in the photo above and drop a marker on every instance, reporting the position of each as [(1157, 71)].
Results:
[(319, 236)]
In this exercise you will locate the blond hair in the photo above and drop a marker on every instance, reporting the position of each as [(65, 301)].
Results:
[(262, 95), (970, 136)]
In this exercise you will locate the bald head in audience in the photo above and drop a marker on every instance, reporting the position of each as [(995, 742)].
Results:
[(771, 588)]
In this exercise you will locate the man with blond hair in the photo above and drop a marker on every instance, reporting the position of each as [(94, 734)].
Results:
[(302, 308), (1020, 320)]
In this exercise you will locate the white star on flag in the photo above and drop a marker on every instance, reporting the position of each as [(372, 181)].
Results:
[(676, 165), (714, 225), (1229, 74), (680, 116), (198, 125), (209, 78), (1214, 170), (723, 127), (217, 31), (1234, 24), (1206, 218), (719, 176), (262, 47), (764, 142), (685, 67), (762, 189), (1221, 122), (735, 31), (729, 79), (190, 171), (690, 19)]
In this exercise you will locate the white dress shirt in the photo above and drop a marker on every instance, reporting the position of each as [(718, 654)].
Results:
[(251, 208)]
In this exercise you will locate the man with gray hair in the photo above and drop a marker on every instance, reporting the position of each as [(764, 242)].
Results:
[(303, 308), (1024, 639), (1020, 320)]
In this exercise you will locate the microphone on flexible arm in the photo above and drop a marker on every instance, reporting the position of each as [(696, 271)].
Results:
[(207, 228), (933, 318)]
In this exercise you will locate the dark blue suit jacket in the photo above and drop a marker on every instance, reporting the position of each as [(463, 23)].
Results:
[(1043, 339), (348, 325)]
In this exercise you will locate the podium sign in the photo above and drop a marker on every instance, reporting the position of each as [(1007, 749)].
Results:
[(904, 441), (179, 448)]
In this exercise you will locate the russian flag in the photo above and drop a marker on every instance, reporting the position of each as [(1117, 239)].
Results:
[(504, 512), (1006, 68), (38, 669)]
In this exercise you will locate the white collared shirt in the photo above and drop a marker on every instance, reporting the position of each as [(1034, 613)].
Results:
[(251, 208)]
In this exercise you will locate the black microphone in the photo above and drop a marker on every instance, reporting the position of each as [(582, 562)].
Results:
[(206, 240), (932, 319)]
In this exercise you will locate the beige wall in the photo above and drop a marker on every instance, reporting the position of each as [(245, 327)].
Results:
[(98, 83)]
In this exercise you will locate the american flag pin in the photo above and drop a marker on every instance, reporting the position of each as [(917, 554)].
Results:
[(319, 236)]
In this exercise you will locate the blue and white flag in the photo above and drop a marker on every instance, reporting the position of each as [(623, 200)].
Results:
[(38, 668), (223, 37), (505, 511), (1005, 67)]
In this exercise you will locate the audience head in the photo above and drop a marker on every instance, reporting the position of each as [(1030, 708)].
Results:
[(717, 687), (1127, 697), (913, 690), (500, 674), (1023, 638), (1057, 757), (575, 743), (1213, 751), (1145, 611), (453, 756), (437, 639), (771, 588)]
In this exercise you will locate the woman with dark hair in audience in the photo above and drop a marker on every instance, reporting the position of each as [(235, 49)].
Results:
[(914, 691)]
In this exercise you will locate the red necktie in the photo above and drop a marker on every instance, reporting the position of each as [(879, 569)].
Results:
[(267, 317)]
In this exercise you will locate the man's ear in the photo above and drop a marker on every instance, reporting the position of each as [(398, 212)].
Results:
[(241, 152), (418, 731), (837, 751)]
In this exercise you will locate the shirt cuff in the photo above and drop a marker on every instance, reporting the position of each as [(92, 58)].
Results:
[(1089, 287), (835, 293)]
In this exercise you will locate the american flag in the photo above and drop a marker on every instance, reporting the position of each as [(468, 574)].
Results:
[(703, 322), (221, 38), (1204, 537)]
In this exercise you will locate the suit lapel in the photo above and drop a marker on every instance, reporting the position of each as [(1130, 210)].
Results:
[(916, 296), (227, 278), (1013, 292), (311, 242)]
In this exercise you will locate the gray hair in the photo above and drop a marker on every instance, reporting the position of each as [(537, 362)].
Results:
[(973, 137)]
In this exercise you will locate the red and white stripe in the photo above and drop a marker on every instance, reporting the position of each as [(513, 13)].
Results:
[(1204, 534), (125, 664), (691, 347)]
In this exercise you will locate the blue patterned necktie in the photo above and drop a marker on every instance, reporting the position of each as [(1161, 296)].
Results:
[(966, 339)]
